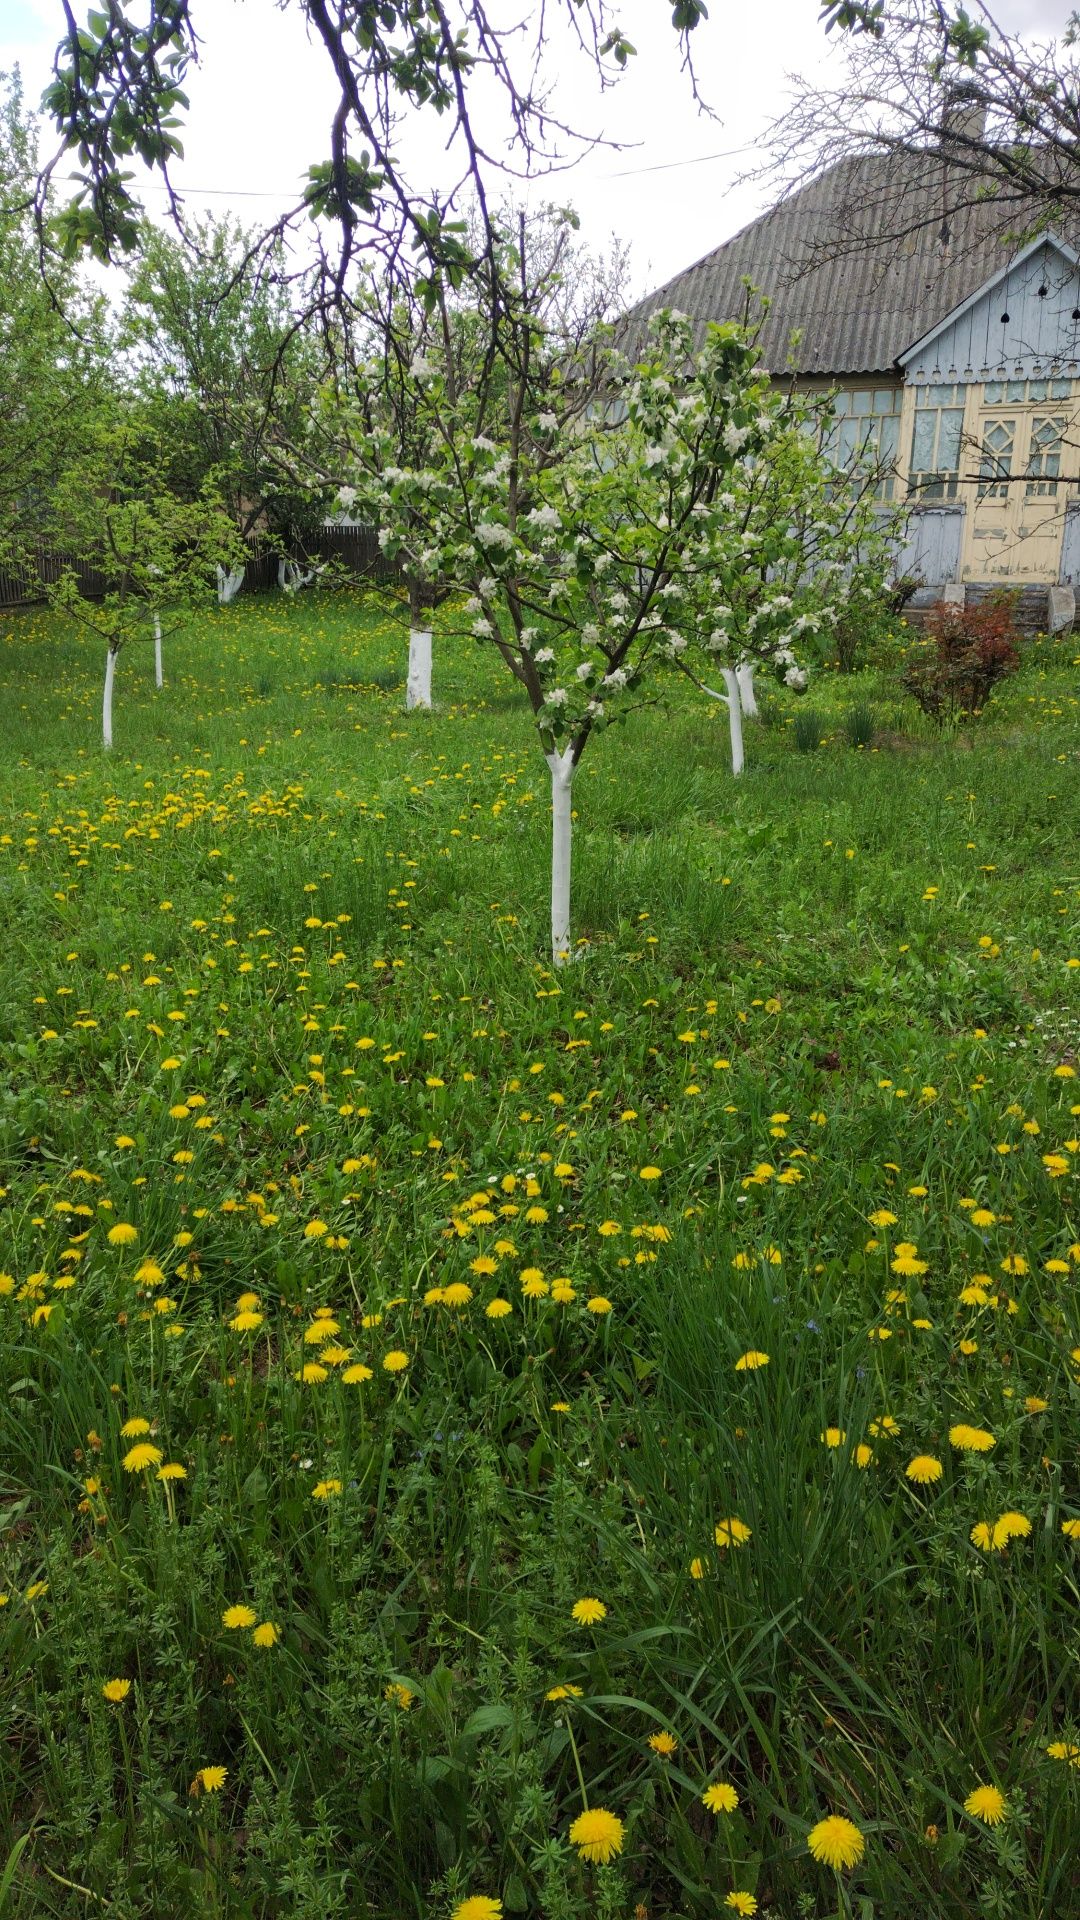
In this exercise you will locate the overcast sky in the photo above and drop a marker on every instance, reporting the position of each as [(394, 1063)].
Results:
[(262, 98)]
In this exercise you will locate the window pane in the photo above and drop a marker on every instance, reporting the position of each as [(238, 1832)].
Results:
[(1060, 389), (848, 438), (922, 442), (939, 396), (1014, 391), (889, 437), (994, 393), (1036, 390), (886, 399), (860, 402), (840, 404), (952, 427)]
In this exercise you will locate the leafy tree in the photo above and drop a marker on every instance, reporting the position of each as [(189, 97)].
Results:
[(220, 363), (52, 366), (113, 512), (118, 96)]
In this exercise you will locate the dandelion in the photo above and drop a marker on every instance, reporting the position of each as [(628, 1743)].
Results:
[(863, 1455), (563, 1693), (749, 1362), (697, 1568), (239, 1617), (399, 1696), (721, 1797), (356, 1375), (266, 1634), (172, 1470), (649, 1173), (740, 1902), (315, 1229), (117, 1691), (588, 1612), (663, 1743), (836, 1842), (986, 1804), (924, 1469), (122, 1235), (1071, 1529), (246, 1322), (599, 1304), (971, 1439), (834, 1436), (209, 1780), (395, 1362), (731, 1533), (326, 1490), (478, 1907), (597, 1835), (457, 1294), (131, 1429), (498, 1309), (138, 1458)]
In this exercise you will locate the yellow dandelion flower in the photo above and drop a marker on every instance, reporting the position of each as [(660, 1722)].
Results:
[(395, 1361), (721, 1797), (597, 1835), (326, 1490), (138, 1458), (663, 1743), (836, 1842), (731, 1533), (131, 1429), (971, 1439), (834, 1437), (457, 1294), (740, 1902), (210, 1779), (987, 1804), (117, 1691), (924, 1469), (478, 1907), (122, 1235), (266, 1634), (357, 1374), (239, 1617), (588, 1612), (749, 1362), (498, 1309)]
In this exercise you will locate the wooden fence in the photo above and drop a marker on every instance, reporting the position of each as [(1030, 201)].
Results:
[(353, 548)]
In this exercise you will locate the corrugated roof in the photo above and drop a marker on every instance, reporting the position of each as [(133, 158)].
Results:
[(855, 261)]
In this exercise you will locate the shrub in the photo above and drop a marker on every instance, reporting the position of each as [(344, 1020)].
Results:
[(968, 650), (866, 622)]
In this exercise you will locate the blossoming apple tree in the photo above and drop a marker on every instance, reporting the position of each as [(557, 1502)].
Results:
[(598, 539)]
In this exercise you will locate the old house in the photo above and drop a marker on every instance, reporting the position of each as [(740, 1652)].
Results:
[(954, 355)]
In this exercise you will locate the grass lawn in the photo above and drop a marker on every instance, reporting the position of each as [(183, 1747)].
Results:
[(372, 1296)]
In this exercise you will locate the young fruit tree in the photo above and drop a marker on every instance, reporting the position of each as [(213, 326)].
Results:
[(449, 325), (819, 542), (599, 541), (113, 515)]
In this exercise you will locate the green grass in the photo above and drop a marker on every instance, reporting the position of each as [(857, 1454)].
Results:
[(840, 987)]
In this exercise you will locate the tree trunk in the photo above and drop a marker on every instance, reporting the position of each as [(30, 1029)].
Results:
[(734, 707), (418, 684), (744, 674), (106, 703), (229, 584), (159, 676), (562, 779)]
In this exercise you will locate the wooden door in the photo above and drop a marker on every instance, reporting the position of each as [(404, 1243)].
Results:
[(1019, 494)]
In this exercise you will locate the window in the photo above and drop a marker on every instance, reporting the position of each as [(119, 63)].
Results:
[(996, 459), (1044, 456), (936, 441), (866, 434), (1017, 393)]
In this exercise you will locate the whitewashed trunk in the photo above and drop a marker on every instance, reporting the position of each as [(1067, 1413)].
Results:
[(159, 675), (418, 684), (734, 707), (562, 780), (744, 674), (106, 701), (229, 584), (289, 577)]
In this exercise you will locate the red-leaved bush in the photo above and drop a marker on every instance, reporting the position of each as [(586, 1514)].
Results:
[(966, 652)]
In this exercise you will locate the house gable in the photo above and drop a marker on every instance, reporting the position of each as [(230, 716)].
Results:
[(1021, 323)]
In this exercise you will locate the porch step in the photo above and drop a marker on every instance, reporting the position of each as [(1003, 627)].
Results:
[(1030, 607)]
